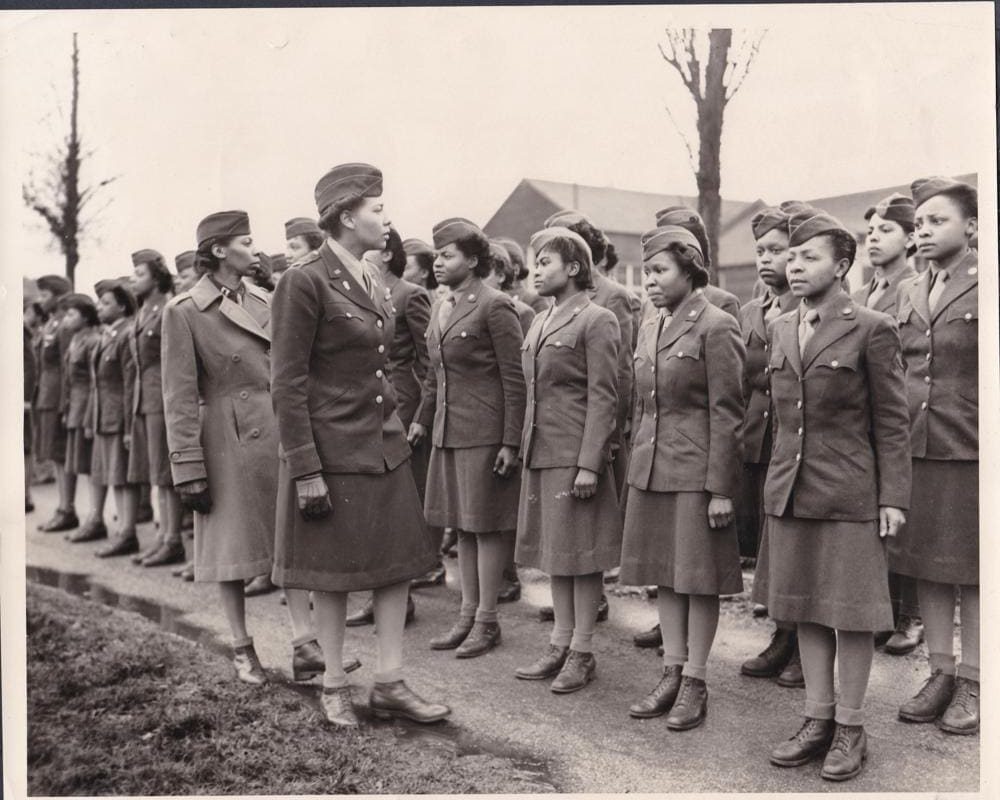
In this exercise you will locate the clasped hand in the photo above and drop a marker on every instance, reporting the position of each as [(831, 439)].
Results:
[(313, 497)]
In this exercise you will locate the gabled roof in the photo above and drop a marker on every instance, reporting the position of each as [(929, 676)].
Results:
[(621, 210)]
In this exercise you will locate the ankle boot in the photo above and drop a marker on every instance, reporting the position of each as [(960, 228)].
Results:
[(651, 638), (577, 672), (906, 638), (791, 676), (847, 754), (962, 714), (812, 740), (483, 637), (396, 699), (773, 658), (691, 706), (661, 699), (337, 707), (455, 636), (247, 665), (547, 666), (932, 699)]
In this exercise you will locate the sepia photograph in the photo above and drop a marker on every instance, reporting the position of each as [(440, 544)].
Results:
[(499, 400)]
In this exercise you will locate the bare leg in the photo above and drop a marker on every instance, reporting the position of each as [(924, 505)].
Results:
[(300, 614)]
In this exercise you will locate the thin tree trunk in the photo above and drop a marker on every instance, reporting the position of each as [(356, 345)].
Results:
[(71, 212), (710, 112)]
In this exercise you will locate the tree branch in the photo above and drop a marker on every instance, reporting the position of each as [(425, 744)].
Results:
[(684, 139), (682, 42), (739, 66)]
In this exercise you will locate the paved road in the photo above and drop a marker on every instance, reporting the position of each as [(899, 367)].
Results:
[(588, 738)]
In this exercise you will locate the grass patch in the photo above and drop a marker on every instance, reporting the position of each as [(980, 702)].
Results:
[(117, 706)]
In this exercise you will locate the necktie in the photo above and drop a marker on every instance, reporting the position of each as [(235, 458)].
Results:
[(938, 279), (773, 308), (807, 327), (878, 289), (446, 308)]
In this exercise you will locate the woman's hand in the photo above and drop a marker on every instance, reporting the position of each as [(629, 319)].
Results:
[(313, 497), (720, 511), (585, 485), (890, 520), (416, 434), (195, 495), (506, 461)]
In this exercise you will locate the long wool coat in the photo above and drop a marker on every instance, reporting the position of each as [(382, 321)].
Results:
[(220, 424)]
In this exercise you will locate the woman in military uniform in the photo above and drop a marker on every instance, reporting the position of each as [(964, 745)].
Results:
[(938, 313), (302, 238), (473, 405), (49, 428), (569, 524), (837, 484), (148, 463), (684, 470), (114, 380), (349, 515), (77, 409)]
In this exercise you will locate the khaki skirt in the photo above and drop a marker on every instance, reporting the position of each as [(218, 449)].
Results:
[(49, 436), (562, 535), (668, 542), (109, 466), (79, 451), (940, 541), (463, 492)]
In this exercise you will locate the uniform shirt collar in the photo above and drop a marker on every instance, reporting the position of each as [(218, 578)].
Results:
[(230, 294), (354, 266), (824, 308)]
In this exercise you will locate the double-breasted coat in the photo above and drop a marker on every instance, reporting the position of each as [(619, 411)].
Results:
[(841, 451), (336, 410), (571, 371), (473, 402), (941, 352), (148, 461), (113, 380), (686, 447), (220, 424), (47, 400)]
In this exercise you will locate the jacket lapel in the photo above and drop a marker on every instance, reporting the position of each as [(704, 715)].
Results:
[(964, 277), (786, 334), (918, 293), (343, 281), (204, 293), (756, 314), (564, 317), (887, 303), (684, 319), (840, 319), (466, 304)]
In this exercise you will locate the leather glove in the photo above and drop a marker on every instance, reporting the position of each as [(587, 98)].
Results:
[(313, 497), (195, 496)]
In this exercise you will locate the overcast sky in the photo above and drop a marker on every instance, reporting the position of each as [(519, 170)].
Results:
[(197, 111)]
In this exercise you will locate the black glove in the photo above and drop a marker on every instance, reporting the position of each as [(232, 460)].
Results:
[(196, 496), (313, 497)]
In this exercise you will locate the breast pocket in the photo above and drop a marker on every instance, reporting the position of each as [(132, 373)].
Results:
[(344, 321), (560, 340), (684, 349), (967, 313), (837, 361)]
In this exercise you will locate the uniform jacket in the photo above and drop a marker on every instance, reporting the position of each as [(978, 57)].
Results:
[(30, 365), (220, 423), (611, 295), (77, 386), (50, 355), (841, 441), (757, 433), (113, 379), (146, 335), (941, 353), (329, 376), (689, 402), (474, 392), (571, 371), (887, 302), (407, 362), (525, 315)]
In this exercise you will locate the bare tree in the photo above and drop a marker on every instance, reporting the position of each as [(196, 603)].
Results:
[(712, 85), (57, 196)]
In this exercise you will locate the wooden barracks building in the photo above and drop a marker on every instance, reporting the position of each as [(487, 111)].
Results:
[(625, 215)]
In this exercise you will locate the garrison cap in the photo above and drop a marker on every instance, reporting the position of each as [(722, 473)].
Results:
[(223, 225), (121, 292), (660, 238), (105, 285), (923, 189), (499, 253), (346, 183), (300, 226), (896, 207), (446, 232), (416, 247), (791, 207), (811, 222), (513, 249), (145, 256), (185, 260), (683, 216), (544, 237), (767, 220), (567, 218), (56, 284)]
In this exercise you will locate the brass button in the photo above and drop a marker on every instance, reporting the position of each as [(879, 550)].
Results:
[(765, 415), (928, 333), (236, 357), (653, 393), (255, 433), (798, 456), (834, 363), (350, 315), (381, 348), (464, 334), (924, 404), (244, 394), (800, 431), (378, 323), (175, 456), (968, 317), (378, 399), (767, 370), (798, 404), (378, 373), (927, 379)]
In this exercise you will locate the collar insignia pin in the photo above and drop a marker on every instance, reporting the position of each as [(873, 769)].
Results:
[(347, 286)]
